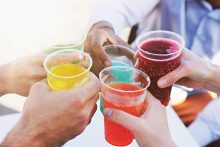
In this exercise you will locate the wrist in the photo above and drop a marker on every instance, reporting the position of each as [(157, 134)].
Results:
[(167, 142), (213, 82), (25, 134), (102, 24), (4, 80), (154, 139)]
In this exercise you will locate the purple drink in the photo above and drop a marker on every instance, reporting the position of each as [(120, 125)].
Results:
[(158, 56)]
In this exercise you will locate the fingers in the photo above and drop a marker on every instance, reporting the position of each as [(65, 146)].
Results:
[(137, 64), (39, 59), (116, 40), (136, 55), (96, 45), (172, 77), (154, 107), (152, 103), (40, 87), (92, 113), (97, 66), (122, 118), (40, 73)]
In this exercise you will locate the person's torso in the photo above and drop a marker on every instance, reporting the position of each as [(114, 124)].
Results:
[(195, 20)]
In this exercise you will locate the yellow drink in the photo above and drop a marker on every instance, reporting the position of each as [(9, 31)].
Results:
[(67, 76)]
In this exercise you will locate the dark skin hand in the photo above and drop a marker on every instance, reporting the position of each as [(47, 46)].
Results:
[(100, 34)]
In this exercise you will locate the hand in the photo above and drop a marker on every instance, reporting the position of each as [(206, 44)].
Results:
[(23, 72), (101, 34), (193, 72), (145, 128), (52, 118)]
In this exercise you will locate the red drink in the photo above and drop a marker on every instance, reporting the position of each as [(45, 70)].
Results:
[(157, 57), (114, 133)]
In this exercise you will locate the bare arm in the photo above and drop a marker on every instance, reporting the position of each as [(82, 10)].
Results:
[(3, 79), (46, 114), (213, 83), (23, 135)]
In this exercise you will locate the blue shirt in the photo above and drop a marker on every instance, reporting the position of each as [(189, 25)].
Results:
[(196, 21)]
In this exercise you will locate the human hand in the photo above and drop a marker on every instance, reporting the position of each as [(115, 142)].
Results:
[(146, 127), (52, 118), (193, 72), (101, 34), (23, 72)]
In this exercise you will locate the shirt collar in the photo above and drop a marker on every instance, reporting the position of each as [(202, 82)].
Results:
[(212, 13)]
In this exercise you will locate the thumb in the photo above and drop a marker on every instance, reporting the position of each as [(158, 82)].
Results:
[(122, 118), (172, 77)]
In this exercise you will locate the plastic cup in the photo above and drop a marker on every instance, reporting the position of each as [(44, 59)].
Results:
[(67, 69), (128, 96), (120, 56), (58, 47), (159, 52)]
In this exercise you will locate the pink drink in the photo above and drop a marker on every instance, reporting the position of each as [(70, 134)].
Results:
[(157, 57)]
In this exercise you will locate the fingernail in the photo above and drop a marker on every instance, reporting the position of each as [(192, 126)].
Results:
[(107, 63), (107, 112), (162, 83)]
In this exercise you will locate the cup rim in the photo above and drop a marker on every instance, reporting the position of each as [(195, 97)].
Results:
[(120, 46), (164, 32), (124, 64), (124, 67), (63, 50), (66, 46)]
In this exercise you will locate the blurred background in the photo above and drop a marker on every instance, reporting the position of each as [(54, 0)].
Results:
[(29, 26)]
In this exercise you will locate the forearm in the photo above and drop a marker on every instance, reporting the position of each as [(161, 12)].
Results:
[(25, 134), (3, 79), (213, 83)]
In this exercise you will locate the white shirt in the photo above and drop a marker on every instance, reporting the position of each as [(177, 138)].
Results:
[(189, 18)]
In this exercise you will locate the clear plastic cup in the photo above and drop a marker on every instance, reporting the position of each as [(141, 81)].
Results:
[(123, 88), (67, 69)]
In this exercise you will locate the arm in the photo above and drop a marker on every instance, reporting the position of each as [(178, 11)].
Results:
[(213, 83), (3, 79), (121, 13), (23, 135), (46, 114)]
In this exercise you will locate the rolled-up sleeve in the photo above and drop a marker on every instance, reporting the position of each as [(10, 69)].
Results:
[(206, 128), (121, 13)]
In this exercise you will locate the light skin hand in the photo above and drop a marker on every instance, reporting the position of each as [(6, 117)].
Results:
[(146, 127), (101, 34), (21, 73), (193, 72), (52, 118)]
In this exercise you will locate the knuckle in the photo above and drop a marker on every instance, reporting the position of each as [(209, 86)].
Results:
[(84, 116), (185, 65), (32, 82), (116, 114), (81, 129), (95, 44), (77, 100), (36, 86)]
